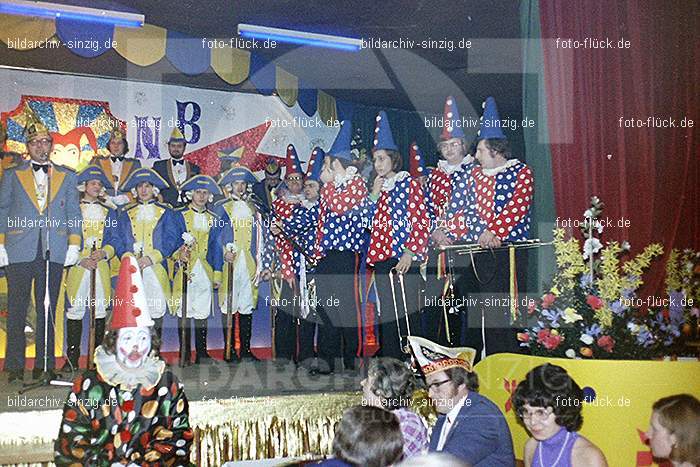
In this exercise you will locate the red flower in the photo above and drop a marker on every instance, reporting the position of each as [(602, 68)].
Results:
[(665, 314), (531, 307), (549, 339), (594, 302), (548, 299), (606, 343)]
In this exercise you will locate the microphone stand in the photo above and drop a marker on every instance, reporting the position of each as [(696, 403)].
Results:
[(46, 380)]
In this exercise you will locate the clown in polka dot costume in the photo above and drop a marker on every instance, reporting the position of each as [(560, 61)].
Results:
[(130, 410), (451, 198), (399, 237), (503, 186)]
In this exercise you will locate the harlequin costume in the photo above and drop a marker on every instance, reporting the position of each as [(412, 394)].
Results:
[(154, 230), (451, 208), (243, 234), (99, 223), (503, 201), (203, 236), (345, 212), (299, 218), (118, 415), (399, 226)]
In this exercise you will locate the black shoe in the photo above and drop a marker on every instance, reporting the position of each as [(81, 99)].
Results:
[(40, 374), (15, 376), (204, 358)]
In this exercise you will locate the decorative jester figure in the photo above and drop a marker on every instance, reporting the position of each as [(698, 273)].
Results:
[(130, 410)]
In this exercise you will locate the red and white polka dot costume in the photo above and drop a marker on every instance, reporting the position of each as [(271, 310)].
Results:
[(400, 220), (452, 201), (504, 197), (344, 215)]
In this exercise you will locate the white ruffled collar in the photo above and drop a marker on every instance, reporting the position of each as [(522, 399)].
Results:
[(496, 170), (341, 180), (450, 169), (309, 204), (148, 375), (391, 182)]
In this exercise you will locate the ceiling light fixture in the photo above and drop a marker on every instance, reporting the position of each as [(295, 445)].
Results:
[(79, 13), (299, 37)]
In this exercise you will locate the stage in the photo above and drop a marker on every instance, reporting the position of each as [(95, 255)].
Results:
[(248, 410)]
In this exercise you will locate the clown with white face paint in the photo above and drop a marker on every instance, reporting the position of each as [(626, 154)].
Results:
[(140, 412)]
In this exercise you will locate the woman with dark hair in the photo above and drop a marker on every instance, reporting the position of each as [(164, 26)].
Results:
[(674, 430), (549, 403), (366, 436), (390, 384), (398, 241)]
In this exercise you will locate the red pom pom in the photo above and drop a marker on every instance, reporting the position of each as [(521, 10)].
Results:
[(128, 406), (132, 269), (136, 312)]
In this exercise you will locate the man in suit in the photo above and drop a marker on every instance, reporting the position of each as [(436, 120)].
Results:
[(470, 426), (39, 215), (176, 170), (263, 189), (116, 166)]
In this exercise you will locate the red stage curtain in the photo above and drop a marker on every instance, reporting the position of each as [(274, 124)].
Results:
[(648, 176)]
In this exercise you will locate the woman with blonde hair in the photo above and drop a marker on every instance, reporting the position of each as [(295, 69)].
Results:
[(674, 430)]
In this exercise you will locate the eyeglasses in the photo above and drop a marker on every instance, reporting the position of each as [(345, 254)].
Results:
[(293, 178), (37, 142), (540, 414), (437, 384), (453, 144)]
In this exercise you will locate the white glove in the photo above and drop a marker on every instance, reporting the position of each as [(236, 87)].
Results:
[(72, 255), (4, 260), (119, 200)]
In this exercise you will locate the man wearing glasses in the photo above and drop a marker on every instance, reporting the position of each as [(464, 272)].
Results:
[(469, 426), (452, 211), (38, 203)]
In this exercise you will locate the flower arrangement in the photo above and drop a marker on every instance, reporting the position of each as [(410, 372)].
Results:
[(592, 310), (683, 287)]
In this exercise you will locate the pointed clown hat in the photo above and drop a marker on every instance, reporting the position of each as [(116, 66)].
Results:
[(34, 128), (94, 172), (176, 136), (433, 357), (383, 139), (130, 306), (201, 182), (237, 174), (416, 161), (291, 163), (144, 174), (341, 147), (452, 121), (313, 171), (490, 127)]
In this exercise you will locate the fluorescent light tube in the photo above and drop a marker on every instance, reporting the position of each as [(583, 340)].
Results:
[(55, 10), (299, 37)]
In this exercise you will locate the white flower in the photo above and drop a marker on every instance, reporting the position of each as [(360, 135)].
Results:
[(625, 246), (230, 247), (634, 329), (586, 339), (588, 214), (570, 316), (187, 238), (571, 353), (591, 247), (138, 248)]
